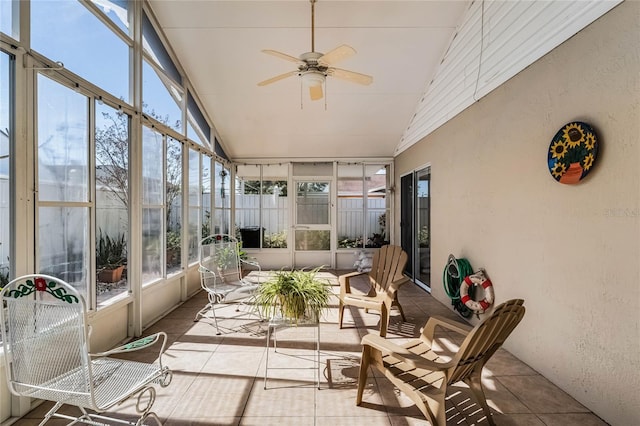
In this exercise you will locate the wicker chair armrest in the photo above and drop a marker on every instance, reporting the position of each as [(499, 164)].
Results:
[(415, 361)]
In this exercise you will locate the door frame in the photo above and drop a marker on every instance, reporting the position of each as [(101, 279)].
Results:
[(409, 224)]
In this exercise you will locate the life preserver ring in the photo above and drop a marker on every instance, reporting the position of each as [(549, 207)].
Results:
[(477, 279)]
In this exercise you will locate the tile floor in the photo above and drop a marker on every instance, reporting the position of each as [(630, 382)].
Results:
[(219, 380)]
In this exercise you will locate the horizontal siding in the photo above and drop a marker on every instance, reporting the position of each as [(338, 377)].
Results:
[(514, 34)]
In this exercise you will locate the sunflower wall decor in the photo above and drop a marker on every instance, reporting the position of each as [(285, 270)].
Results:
[(572, 152)]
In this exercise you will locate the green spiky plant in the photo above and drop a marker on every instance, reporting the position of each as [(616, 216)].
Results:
[(110, 252), (293, 295)]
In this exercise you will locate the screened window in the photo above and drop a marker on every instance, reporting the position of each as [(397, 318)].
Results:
[(9, 18), (67, 31), (117, 11), (174, 206), (195, 193), (362, 205), (62, 196), (112, 201), (275, 205), (154, 49), (162, 94), (152, 204), (247, 200), (206, 196), (222, 211), (377, 211), (162, 99), (350, 206), (261, 205), (197, 127), (6, 141), (217, 148)]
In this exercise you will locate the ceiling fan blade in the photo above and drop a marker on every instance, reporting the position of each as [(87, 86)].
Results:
[(337, 55), (315, 92), (282, 56), (352, 76), (277, 78)]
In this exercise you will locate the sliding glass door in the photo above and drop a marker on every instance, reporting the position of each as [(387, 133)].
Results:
[(415, 225)]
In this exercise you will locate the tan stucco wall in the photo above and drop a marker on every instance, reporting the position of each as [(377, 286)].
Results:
[(571, 251)]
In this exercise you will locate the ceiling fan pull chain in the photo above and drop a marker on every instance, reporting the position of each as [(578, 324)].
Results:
[(325, 94)]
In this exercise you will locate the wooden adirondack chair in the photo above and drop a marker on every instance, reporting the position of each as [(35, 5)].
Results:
[(419, 372), (385, 278)]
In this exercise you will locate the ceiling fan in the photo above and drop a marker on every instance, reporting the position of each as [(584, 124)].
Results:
[(314, 67)]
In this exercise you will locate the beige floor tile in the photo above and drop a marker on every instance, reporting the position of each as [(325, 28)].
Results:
[(382, 420), (187, 311), (204, 421), (540, 395), (342, 403), (514, 420), (214, 395), (283, 398), (236, 363), (502, 363), (408, 421), (182, 358), (174, 327), (341, 372), (572, 419), (501, 400), (394, 401), (277, 421)]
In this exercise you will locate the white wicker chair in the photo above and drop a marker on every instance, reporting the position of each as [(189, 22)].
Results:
[(46, 350), (221, 274)]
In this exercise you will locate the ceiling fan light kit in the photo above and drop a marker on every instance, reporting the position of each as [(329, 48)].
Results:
[(314, 67), (312, 78)]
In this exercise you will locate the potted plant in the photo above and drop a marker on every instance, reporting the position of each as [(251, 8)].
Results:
[(173, 248), (295, 296), (111, 256)]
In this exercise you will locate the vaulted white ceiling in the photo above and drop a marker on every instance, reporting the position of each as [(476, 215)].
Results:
[(429, 60), (219, 44)]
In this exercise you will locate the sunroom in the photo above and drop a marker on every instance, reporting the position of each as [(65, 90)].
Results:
[(130, 130)]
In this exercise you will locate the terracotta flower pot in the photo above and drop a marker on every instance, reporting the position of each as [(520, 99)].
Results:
[(111, 275), (573, 174)]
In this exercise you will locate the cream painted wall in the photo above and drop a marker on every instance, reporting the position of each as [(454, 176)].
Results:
[(571, 251)]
